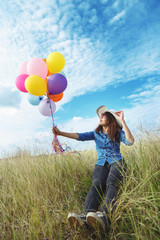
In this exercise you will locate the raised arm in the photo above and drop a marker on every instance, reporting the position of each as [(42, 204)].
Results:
[(128, 134), (56, 131)]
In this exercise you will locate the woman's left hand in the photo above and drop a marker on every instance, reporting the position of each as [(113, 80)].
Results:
[(120, 115)]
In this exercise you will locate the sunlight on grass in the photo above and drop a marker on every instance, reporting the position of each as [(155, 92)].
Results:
[(37, 192)]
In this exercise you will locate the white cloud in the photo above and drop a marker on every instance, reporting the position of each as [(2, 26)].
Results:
[(145, 115), (144, 96), (116, 4), (84, 5), (104, 1), (18, 124), (118, 16), (9, 96), (79, 124)]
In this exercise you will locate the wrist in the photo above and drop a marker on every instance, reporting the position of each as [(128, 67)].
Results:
[(60, 133), (123, 122)]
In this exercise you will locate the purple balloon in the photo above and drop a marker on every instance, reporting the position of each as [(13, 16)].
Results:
[(45, 107), (56, 83)]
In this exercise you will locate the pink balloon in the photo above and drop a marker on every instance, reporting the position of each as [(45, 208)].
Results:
[(20, 80), (45, 107), (23, 68), (37, 66)]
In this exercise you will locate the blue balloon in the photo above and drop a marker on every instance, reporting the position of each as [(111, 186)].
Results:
[(34, 100)]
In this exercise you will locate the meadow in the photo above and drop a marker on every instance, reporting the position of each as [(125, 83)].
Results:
[(38, 192)]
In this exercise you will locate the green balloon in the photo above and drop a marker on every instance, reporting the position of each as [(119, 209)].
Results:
[(63, 73)]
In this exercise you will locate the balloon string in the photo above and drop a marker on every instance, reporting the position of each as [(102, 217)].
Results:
[(55, 143)]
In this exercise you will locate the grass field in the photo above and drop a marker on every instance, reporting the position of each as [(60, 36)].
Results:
[(38, 192)]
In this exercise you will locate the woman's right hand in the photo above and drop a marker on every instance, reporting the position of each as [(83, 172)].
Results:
[(56, 131)]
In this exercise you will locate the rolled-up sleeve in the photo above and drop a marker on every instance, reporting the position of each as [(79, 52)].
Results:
[(86, 136), (123, 138)]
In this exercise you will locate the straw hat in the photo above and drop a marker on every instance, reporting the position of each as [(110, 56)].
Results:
[(103, 109)]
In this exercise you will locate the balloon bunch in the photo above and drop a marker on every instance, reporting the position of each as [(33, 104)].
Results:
[(43, 77), (45, 83)]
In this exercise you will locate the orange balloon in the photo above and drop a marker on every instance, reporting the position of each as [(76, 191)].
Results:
[(46, 80), (56, 98), (48, 74)]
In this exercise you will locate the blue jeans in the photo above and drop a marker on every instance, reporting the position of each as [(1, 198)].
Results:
[(105, 179)]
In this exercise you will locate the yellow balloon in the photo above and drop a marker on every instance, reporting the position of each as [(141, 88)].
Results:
[(35, 85), (55, 62)]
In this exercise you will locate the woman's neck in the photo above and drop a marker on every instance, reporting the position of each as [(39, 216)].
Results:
[(104, 129)]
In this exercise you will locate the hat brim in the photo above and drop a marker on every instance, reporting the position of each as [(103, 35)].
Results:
[(103, 109)]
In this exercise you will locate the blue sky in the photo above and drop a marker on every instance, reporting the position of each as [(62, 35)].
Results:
[(112, 53)]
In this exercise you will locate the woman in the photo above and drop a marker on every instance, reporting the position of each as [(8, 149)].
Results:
[(108, 170)]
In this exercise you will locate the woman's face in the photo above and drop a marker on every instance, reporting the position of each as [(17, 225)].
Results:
[(103, 120)]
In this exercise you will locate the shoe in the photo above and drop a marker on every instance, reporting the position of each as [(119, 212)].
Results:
[(76, 221), (98, 220)]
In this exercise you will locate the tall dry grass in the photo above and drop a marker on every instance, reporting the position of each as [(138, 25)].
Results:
[(37, 192)]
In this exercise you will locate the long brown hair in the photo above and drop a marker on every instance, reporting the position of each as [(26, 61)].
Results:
[(113, 127)]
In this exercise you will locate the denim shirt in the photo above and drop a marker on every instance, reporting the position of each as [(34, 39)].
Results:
[(107, 150)]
